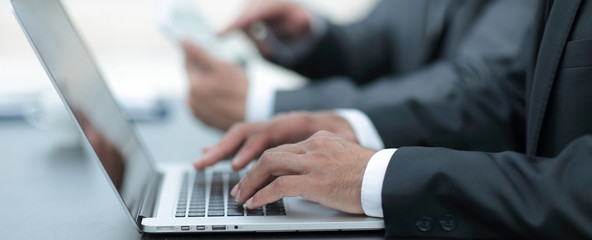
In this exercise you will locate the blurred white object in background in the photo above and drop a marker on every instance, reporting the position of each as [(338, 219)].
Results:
[(49, 113), (183, 19), (136, 59)]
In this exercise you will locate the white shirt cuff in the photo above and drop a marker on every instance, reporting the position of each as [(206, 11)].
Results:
[(260, 100), (363, 128), (372, 182), (289, 52)]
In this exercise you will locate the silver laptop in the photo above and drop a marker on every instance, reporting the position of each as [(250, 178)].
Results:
[(159, 199)]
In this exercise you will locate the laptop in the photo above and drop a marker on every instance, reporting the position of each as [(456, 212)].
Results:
[(157, 198)]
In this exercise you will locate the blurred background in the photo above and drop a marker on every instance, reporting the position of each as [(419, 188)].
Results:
[(45, 171), (138, 61)]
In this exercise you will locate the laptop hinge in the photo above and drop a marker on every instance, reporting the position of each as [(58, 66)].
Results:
[(146, 209)]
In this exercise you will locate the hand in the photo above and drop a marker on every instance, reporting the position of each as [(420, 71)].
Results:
[(325, 169), (286, 20), (249, 140), (218, 90)]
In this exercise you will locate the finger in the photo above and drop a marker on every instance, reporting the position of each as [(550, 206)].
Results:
[(266, 136), (264, 49), (227, 146), (272, 164), (324, 133), (256, 11), (244, 21), (252, 148), (285, 186), (234, 190), (241, 23), (196, 73), (196, 55), (236, 25), (206, 149)]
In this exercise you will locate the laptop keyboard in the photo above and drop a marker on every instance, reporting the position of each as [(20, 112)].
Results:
[(193, 203)]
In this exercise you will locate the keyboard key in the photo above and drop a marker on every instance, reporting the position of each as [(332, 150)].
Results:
[(193, 198), (255, 212), (275, 213), (216, 214), (276, 203), (235, 213), (234, 207), (275, 209)]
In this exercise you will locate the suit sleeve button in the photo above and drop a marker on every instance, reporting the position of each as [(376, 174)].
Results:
[(448, 222), (424, 224)]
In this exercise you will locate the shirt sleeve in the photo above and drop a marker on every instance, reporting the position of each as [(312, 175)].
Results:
[(371, 193), (260, 100), (363, 128)]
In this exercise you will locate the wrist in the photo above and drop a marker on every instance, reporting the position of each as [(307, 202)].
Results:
[(328, 120)]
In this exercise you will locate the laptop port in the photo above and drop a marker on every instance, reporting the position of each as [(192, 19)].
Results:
[(185, 228), (218, 227), (200, 227)]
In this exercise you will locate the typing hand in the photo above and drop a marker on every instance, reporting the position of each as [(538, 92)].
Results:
[(325, 169), (249, 140)]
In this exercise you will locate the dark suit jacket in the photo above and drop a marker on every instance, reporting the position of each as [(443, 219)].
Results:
[(410, 49), (542, 193)]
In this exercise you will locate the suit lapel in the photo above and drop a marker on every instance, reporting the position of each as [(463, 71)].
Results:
[(553, 42)]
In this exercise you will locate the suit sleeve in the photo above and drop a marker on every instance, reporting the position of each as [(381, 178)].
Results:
[(487, 195), (489, 116), (489, 45), (356, 50)]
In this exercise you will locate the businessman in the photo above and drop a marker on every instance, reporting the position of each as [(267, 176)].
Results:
[(541, 193), (402, 50)]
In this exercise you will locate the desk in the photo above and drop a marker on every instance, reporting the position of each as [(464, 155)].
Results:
[(49, 193)]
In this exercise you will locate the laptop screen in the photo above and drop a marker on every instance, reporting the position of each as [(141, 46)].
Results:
[(81, 86)]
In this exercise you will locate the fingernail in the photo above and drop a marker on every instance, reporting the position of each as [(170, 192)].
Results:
[(235, 160), (197, 164), (238, 195), (234, 189), (249, 203), (206, 149)]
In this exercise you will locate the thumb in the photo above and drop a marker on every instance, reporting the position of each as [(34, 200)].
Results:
[(264, 49), (197, 55)]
